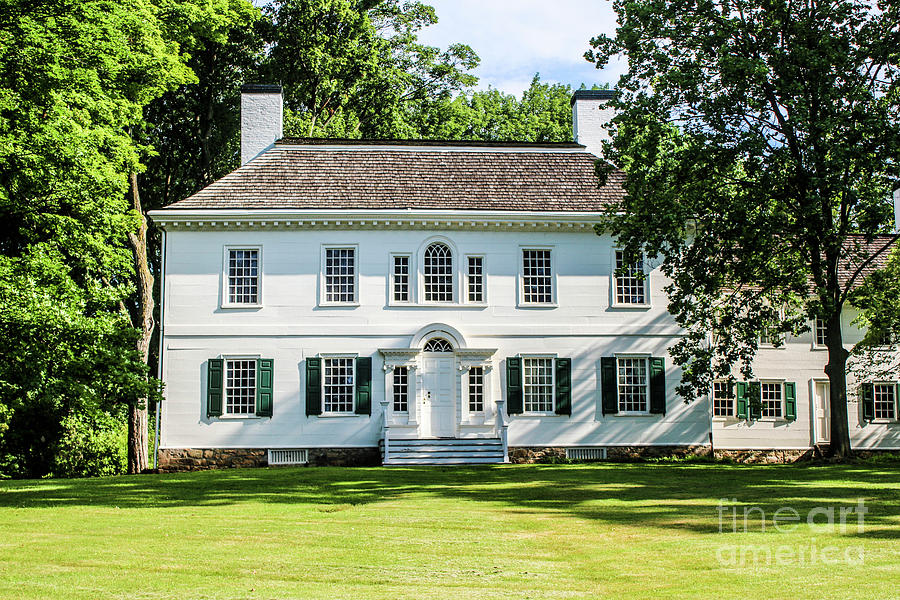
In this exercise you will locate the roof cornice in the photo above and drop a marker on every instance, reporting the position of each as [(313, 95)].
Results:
[(290, 219)]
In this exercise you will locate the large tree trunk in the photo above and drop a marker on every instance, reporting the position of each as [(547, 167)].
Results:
[(137, 415), (836, 369)]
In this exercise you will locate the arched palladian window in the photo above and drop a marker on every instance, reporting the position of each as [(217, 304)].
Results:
[(438, 271), (437, 345)]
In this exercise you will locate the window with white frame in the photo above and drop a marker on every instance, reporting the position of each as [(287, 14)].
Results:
[(400, 277), (537, 384), (243, 276), (771, 396), (475, 279), (438, 273), (476, 389), (631, 282), (633, 385), (723, 400), (401, 389), (885, 401), (821, 333), (537, 277), (339, 376), (340, 275), (240, 386)]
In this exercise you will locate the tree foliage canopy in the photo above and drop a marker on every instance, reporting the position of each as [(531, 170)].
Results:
[(760, 139)]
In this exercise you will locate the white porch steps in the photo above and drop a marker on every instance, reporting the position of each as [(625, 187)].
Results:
[(443, 451)]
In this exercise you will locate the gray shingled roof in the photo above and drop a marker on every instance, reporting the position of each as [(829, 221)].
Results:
[(385, 177)]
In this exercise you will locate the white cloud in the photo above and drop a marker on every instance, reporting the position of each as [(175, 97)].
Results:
[(516, 38)]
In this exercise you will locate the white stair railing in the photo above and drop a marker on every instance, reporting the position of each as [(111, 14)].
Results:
[(386, 430), (502, 425)]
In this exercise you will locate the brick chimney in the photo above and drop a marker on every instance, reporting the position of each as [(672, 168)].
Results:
[(590, 118), (261, 119)]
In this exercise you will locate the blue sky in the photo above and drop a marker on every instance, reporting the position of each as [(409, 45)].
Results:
[(518, 38)]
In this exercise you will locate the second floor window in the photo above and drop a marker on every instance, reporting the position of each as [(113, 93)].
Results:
[(475, 279), (438, 271), (243, 276), (340, 275), (400, 276), (537, 277), (631, 283), (821, 333)]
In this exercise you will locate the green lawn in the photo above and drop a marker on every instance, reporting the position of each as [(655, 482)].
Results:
[(569, 531)]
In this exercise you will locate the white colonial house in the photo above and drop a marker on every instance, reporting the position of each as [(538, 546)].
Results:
[(352, 302)]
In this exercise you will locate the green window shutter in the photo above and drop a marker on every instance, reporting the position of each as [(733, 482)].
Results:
[(313, 386), (214, 386), (868, 401), (364, 385), (755, 396), (264, 368), (743, 400), (658, 386), (564, 386), (514, 404), (609, 390), (790, 400)]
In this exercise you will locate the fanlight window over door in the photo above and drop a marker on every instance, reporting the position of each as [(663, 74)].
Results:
[(438, 271), (437, 345)]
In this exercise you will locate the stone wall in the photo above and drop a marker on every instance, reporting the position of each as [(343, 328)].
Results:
[(766, 457), (196, 459)]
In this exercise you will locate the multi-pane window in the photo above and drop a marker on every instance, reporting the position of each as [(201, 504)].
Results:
[(243, 276), (631, 282), (538, 384), (437, 345), (723, 405), (240, 387), (338, 385), (401, 278), (771, 399), (438, 272), (340, 275), (632, 384), (475, 279), (885, 401), (476, 389), (821, 333), (537, 278), (401, 389)]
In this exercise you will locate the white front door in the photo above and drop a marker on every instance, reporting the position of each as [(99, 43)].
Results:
[(438, 396), (821, 413)]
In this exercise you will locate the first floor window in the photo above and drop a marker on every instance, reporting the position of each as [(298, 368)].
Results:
[(885, 401), (401, 389), (630, 280), (338, 385), (243, 276), (537, 278), (401, 279), (723, 405), (240, 387), (475, 278), (771, 399), (538, 384), (476, 389), (633, 384), (340, 275)]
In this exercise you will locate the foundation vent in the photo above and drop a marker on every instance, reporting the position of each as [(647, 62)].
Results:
[(586, 453), (288, 456)]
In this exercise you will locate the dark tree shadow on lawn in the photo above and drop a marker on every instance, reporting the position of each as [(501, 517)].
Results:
[(656, 495)]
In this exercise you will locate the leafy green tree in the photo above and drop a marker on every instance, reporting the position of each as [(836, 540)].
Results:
[(73, 78), (760, 140), (355, 68)]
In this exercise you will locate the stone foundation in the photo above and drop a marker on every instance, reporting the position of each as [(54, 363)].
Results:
[(766, 457), (197, 459), (550, 454)]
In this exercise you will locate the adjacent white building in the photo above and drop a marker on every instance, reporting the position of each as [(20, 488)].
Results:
[(449, 302)]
